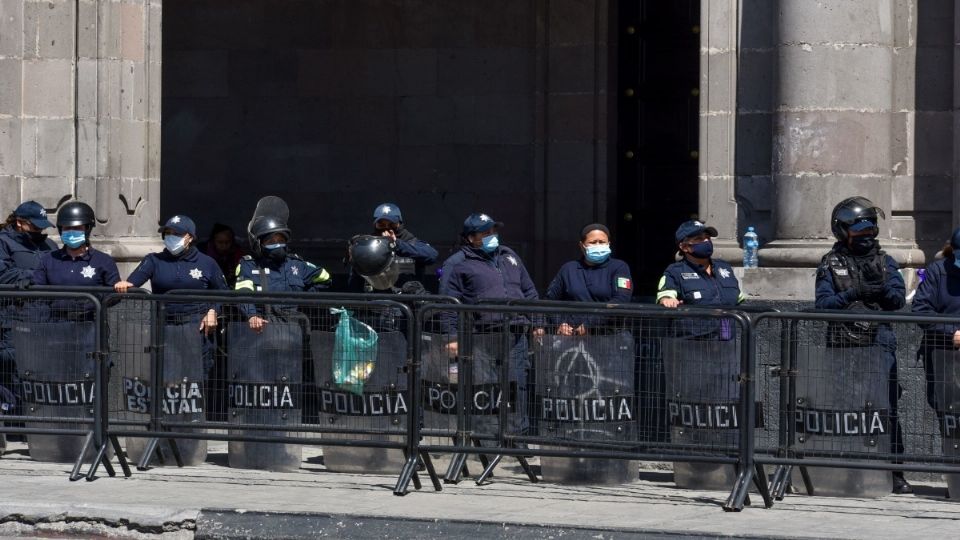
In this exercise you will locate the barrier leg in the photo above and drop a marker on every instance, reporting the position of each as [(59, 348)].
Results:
[(78, 464), (737, 499), (121, 457), (101, 458), (175, 448), (780, 481), (148, 452), (760, 481), (428, 464), (807, 482), (406, 474), (457, 468), (525, 465), (488, 471)]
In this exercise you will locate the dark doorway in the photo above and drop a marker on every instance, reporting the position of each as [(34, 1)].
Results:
[(657, 131)]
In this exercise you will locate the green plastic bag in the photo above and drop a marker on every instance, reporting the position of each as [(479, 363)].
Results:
[(354, 352)]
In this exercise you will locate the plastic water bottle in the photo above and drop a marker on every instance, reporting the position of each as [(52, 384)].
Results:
[(750, 246)]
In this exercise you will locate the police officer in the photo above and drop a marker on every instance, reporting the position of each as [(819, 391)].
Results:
[(181, 266), (22, 243), (412, 255), (594, 277), (273, 268), (483, 269), (76, 263), (698, 279), (857, 274), (939, 292)]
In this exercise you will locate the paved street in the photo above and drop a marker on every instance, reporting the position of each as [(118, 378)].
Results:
[(214, 501)]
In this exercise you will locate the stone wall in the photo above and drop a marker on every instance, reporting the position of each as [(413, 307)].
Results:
[(80, 113)]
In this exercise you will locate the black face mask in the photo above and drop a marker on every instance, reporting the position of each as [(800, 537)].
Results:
[(37, 237), (278, 254), (861, 245)]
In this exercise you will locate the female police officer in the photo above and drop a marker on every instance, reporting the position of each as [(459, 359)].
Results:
[(21, 244), (76, 263), (698, 279), (181, 266), (594, 277)]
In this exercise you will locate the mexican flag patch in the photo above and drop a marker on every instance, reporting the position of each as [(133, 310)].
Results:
[(624, 283)]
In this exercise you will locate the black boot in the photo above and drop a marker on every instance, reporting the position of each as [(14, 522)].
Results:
[(900, 484)]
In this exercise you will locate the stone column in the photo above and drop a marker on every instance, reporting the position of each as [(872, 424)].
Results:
[(837, 131), (719, 24), (86, 124)]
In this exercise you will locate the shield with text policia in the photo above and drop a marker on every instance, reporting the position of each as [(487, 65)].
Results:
[(842, 407), (375, 410), (265, 388), (181, 388), (585, 392), (56, 368)]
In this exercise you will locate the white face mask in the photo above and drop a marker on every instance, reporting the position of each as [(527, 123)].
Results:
[(174, 244)]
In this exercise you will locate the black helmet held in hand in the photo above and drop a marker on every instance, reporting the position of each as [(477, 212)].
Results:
[(852, 211), (76, 213), (373, 258)]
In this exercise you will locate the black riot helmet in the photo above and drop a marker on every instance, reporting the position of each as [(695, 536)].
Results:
[(853, 212), (373, 258), (76, 213), (262, 226)]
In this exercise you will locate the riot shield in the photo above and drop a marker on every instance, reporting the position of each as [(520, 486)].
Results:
[(264, 387), (946, 391), (842, 406), (57, 378), (182, 390), (703, 397), (585, 392), (383, 406)]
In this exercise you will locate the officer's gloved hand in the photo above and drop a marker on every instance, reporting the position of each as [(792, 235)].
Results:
[(24, 283), (871, 291)]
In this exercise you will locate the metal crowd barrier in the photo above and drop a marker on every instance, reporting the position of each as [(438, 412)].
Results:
[(281, 384), (720, 393), (52, 373), (533, 392), (854, 396)]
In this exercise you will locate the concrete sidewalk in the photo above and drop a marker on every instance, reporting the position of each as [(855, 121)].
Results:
[(214, 501)]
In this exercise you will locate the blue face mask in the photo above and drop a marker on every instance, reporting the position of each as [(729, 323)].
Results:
[(597, 253), (491, 243), (703, 250), (956, 261), (174, 244), (73, 239)]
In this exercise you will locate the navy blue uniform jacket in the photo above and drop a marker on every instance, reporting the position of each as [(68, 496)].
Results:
[(939, 293), (292, 274), (192, 270), (471, 275), (92, 269), (688, 281), (894, 297), (577, 281), (19, 256)]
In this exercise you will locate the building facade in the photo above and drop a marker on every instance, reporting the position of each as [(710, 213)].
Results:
[(547, 114)]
